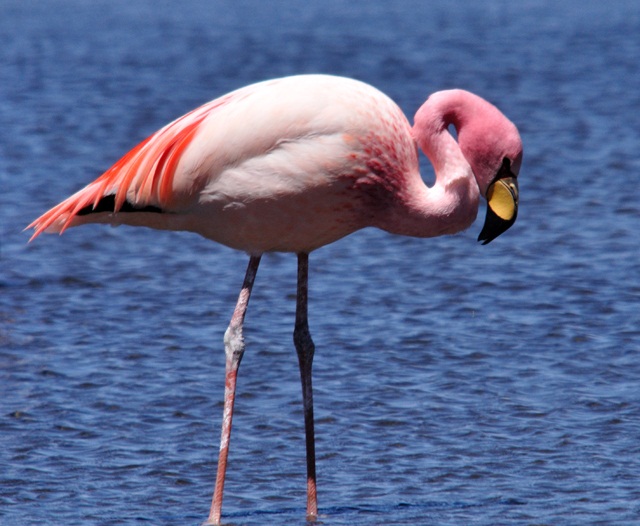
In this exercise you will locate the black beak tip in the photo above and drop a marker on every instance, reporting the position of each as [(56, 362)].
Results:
[(494, 226), (486, 238)]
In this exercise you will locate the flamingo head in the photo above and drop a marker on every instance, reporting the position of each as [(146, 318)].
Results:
[(491, 144)]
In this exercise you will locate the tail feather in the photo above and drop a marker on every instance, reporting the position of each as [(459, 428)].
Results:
[(59, 218), (142, 180)]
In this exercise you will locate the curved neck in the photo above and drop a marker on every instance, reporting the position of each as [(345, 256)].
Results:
[(451, 204), (431, 132)]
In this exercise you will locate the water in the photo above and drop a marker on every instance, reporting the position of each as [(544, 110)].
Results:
[(454, 383)]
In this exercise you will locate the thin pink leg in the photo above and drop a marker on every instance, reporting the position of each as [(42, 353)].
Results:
[(234, 349), (305, 349)]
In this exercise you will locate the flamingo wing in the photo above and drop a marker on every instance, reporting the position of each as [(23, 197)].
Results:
[(141, 180)]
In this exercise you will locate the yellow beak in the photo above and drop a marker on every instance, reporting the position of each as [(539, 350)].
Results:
[(502, 208)]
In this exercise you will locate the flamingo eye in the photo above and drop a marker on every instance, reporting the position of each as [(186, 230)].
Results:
[(505, 169)]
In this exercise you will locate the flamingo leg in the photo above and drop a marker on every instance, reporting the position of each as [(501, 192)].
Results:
[(305, 349), (234, 349)]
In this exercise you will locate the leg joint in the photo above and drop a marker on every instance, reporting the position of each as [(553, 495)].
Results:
[(302, 340), (234, 343)]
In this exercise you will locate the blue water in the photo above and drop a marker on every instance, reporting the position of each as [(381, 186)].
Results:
[(454, 383)]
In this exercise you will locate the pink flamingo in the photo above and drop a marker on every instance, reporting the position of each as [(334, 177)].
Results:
[(296, 163)]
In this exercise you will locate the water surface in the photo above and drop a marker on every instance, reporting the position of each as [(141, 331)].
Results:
[(454, 383)]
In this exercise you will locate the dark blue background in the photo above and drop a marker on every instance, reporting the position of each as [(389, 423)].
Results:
[(454, 383)]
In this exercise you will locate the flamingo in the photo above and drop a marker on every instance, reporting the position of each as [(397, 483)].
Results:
[(293, 164)]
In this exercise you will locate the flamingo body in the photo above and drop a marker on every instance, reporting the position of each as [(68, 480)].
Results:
[(283, 165), (296, 163)]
